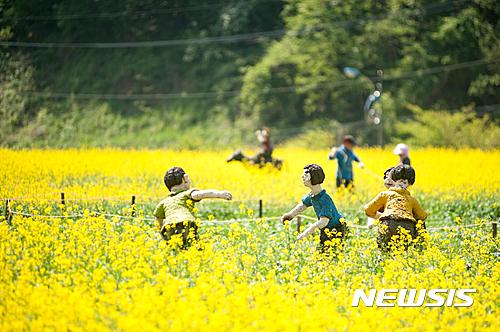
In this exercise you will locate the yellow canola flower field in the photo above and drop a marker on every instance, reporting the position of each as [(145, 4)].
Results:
[(98, 273), (93, 274), (120, 173)]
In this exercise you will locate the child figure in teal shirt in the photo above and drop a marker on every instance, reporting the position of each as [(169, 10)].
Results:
[(345, 156), (329, 219)]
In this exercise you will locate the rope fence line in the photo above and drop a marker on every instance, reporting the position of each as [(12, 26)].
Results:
[(428, 228), (87, 198), (51, 197), (9, 213), (240, 220), (372, 173), (494, 223), (99, 214)]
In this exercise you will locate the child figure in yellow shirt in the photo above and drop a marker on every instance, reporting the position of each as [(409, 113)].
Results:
[(174, 214), (401, 211)]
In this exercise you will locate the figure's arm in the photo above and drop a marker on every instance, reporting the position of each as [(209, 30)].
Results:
[(160, 222), (356, 159), (299, 208), (418, 212), (333, 153), (321, 223), (198, 195), (261, 138), (159, 214), (371, 209)]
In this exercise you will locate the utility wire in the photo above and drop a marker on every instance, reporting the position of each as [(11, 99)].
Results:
[(275, 90), (225, 39), (153, 43), (127, 13), (161, 11), (433, 70)]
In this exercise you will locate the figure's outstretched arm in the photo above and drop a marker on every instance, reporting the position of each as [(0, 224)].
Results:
[(160, 222), (373, 207), (356, 159), (321, 223), (260, 137), (333, 153), (299, 208), (198, 195), (418, 212)]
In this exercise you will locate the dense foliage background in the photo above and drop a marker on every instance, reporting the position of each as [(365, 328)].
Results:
[(202, 73)]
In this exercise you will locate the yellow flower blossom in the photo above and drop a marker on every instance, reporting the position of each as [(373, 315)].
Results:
[(104, 272)]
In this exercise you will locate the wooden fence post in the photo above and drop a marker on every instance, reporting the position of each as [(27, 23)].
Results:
[(6, 208), (133, 206), (299, 223), (260, 208), (63, 201), (8, 214), (494, 229)]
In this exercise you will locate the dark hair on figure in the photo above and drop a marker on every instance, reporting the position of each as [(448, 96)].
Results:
[(404, 172), (173, 177), (387, 172), (316, 172)]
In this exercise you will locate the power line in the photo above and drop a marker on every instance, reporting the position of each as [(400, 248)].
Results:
[(433, 70), (223, 39), (157, 11), (111, 15), (232, 93), (153, 43), (113, 96)]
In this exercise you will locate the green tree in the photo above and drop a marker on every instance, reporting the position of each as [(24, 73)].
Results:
[(15, 79), (399, 36), (446, 129)]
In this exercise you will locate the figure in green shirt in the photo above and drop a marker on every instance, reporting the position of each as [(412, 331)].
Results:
[(174, 214)]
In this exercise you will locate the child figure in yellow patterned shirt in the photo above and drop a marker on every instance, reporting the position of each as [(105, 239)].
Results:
[(401, 213), (175, 214)]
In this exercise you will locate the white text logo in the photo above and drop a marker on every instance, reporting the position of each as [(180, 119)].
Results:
[(414, 298)]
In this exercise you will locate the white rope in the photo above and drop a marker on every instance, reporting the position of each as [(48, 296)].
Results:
[(228, 221), (20, 198), (463, 226), (75, 197), (69, 198), (372, 174), (98, 214), (46, 215), (127, 217), (428, 228), (90, 214), (349, 225), (223, 222), (56, 197)]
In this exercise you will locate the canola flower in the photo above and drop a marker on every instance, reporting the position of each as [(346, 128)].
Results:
[(91, 274), (117, 173), (94, 273)]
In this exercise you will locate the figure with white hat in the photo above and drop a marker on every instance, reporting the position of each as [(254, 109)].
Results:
[(403, 152)]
